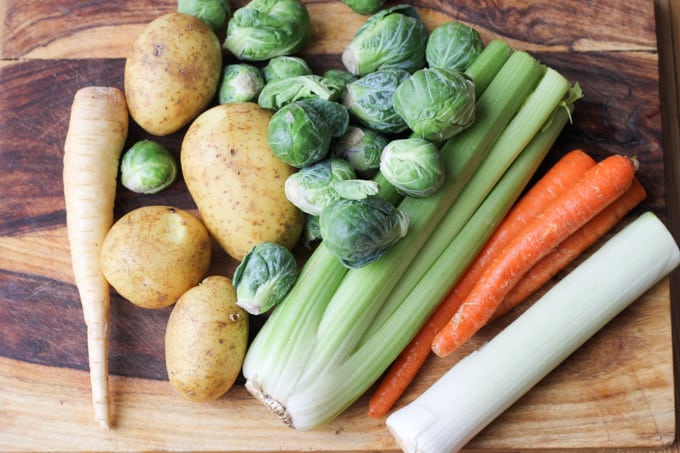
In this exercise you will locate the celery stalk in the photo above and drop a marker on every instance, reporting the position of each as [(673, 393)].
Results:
[(361, 293), (333, 391), (279, 351), (488, 63), (484, 384), (536, 111)]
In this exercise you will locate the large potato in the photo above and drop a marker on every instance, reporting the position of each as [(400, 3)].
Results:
[(206, 340), (154, 254), (236, 181), (172, 72)]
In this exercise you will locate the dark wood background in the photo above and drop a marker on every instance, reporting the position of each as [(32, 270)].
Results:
[(50, 49)]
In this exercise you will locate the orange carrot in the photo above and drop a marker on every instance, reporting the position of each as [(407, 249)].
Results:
[(96, 134), (572, 247), (568, 169), (598, 187)]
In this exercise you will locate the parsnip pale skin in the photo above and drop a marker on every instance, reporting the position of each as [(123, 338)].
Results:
[(236, 181), (172, 72), (206, 340), (154, 254)]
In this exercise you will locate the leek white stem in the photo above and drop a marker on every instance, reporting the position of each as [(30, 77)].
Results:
[(484, 384)]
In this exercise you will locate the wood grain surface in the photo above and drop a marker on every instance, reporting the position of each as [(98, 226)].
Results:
[(616, 392)]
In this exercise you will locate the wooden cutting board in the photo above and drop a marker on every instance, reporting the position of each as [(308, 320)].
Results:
[(616, 391)]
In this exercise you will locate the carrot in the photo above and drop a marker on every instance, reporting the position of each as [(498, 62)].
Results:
[(595, 190), (568, 169), (572, 247), (96, 136)]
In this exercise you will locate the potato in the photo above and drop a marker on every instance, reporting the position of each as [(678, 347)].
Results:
[(236, 181), (206, 340), (154, 254), (172, 72)]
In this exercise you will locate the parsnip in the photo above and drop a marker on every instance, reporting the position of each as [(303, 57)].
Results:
[(96, 136)]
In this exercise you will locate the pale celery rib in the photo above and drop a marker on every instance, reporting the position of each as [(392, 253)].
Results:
[(336, 389), (362, 292), (468, 397), (276, 356), (535, 112)]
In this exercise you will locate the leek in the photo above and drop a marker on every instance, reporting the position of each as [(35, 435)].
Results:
[(335, 390), (485, 383)]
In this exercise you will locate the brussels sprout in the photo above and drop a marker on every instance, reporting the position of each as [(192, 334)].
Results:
[(314, 187), (453, 46), (241, 82), (311, 231), (413, 166), (298, 134), (358, 232), (337, 79), (264, 29), (285, 66), (436, 103), (369, 100), (364, 7), (361, 148), (335, 114), (279, 93), (147, 167), (212, 12), (264, 277), (392, 38)]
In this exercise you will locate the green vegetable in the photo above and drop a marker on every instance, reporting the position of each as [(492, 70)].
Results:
[(240, 82), (334, 114), (281, 92), (314, 187), (361, 147), (285, 66), (486, 383), (453, 46), (435, 103), (264, 29), (413, 166), (364, 7), (392, 38), (212, 12), (147, 167), (370, 100), (337, 79), (358, 232), (311, 231), (302, 360), (264, 277)]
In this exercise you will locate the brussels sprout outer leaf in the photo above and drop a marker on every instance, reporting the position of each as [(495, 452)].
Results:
[(264, 277), (240, 83), (453, 46), (413, 166), (285, 66), (147, 167), (358, 232), (335, 114), (212, 12), (312, 188), (364, 7), (279, 93)]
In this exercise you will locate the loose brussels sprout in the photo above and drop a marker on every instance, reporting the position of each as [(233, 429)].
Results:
[(392, 38), (285, 66), (279, 93), (436, 103), (212, 12), (338, 79), (311, 231), (364, 7), (298, 134), (240, 82), (369, 100), (453, 46), (264, 29), (358, 232), (361, 148), (314, 187), (413, 166), (333, 113), (264, 277), (147, 167)]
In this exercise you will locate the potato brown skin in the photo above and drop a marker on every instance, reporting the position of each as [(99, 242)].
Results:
[(206, 340), (236, 181), (172, 72), (153, 254)]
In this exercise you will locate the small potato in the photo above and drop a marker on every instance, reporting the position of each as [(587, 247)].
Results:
[(154, 254), (172, 72), (206, 340), (236, 181)]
